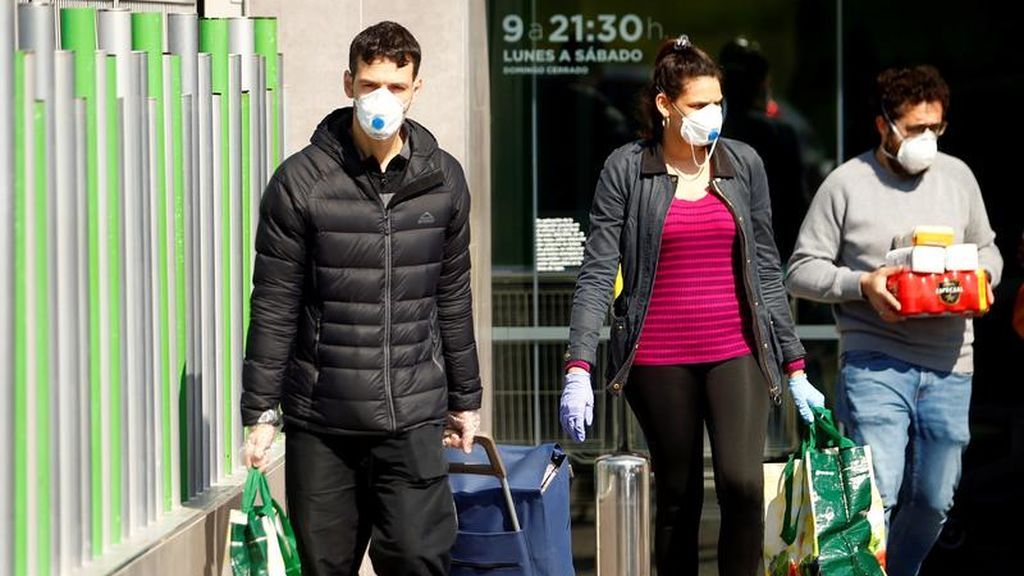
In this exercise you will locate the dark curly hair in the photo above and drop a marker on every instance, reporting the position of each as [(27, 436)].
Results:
[(387, 40), (899, 87), (678, 62)]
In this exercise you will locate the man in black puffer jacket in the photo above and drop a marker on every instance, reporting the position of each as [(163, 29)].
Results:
[(361, 327)]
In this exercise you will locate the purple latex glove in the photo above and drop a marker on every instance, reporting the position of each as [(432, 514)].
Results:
[(577, 406), (805, 396)]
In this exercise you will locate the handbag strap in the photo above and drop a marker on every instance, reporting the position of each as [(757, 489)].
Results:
[(256, 485), (825, 432), (789, 528)]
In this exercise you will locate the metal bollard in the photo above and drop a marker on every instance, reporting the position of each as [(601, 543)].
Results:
[(623, 491)]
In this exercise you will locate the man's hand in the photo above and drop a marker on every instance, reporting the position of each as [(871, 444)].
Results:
[(988, 294), (461, 429), (257, 444), (873, 287)]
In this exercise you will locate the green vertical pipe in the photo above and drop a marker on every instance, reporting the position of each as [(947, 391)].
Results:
[(213, 39), (114, 272), (78, 34), (20, 327), (178, 165), (265, 30), (147, 36), (246, 206), (41, 317)]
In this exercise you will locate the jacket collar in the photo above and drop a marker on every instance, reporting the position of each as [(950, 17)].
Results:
[(653, 160), (334, 137)]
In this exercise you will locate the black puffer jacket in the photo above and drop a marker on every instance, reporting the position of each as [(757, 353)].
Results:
[(361, 316)]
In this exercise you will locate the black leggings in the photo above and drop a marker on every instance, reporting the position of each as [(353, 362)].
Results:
[(671, 404)]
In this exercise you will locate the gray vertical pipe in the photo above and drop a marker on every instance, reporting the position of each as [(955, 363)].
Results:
[(217, 212), (241, 41), (67, 400), (150, 363), (135, 301), (171, 266), (235, 165), (183, 39), (282, 101), (7, 44), (256, 148), (82, 272), (103, 228), (114, 32), (32, 383), (191, 419), (260, 147), (207, 293), (36, 35), (154, 447), (6, 287)]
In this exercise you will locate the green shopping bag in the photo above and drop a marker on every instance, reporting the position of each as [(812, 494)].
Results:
[(841, 481), (262, 540), (823, 514)]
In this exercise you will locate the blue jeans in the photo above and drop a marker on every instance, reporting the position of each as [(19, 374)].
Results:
[(916, 422)]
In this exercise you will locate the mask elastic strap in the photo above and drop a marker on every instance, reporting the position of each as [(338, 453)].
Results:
[(707, 157), (893, 125)]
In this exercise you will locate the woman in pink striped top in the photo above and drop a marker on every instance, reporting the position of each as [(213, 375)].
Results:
[(701, 332)]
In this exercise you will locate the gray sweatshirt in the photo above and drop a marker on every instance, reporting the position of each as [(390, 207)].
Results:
[(849, 228)]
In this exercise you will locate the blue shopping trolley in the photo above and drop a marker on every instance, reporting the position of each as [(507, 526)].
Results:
[(513, 510)]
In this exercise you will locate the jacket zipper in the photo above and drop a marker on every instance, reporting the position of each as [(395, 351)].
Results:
[(773, 387), (316, 348), (387, 319)]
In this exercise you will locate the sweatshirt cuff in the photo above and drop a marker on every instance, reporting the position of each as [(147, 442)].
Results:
[(849, 284)]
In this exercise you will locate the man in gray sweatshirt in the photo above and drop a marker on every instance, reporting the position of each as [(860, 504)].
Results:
[(905, 384)]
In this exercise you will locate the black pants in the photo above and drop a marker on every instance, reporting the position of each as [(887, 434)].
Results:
[(342, 489), (671, 404)]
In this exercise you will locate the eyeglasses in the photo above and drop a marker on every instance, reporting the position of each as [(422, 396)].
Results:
[(918, 129)]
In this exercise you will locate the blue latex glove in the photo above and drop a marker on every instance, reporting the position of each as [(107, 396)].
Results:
[(577, 405), (805, 396)]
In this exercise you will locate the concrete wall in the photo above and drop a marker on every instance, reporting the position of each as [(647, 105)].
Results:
[(314, 36)]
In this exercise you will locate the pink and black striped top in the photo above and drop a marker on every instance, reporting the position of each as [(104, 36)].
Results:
[(695, 314)]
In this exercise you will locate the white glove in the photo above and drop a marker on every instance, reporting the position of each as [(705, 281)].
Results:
[(461, 429), (257, 443)]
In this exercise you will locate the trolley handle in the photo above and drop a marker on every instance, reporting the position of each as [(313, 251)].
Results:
[(494, 467)]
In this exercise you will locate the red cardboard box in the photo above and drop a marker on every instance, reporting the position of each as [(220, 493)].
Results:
[(953, 292)]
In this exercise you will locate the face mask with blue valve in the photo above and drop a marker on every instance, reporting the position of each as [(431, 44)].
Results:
[(703, 126), (380, 113)]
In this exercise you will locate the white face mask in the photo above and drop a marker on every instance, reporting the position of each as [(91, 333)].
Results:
[(917, 153), (380, 113), (703, 126)]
